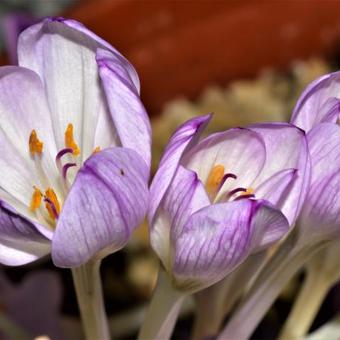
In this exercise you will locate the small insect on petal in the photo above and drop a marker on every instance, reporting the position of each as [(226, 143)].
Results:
[(69, 140), (35, 145)]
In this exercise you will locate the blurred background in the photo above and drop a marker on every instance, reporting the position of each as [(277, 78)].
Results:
[(246, 61)]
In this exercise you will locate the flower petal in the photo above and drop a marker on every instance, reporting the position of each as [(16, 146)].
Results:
[(214, 241), (241, 151), (321, 212), (23, 107), (218, 238), (183, 138), (107, 201), (20, 241), (128, 113), (184, 196), (317, 101), (62, 52), (277, 190), (286, 147)]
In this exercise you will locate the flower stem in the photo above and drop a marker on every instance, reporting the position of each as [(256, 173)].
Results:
[(215, 302), (269, 283), (306, 306), (88, 287), (163, 311)]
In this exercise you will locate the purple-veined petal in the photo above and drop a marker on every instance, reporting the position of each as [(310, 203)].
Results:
[(107, 201), (287, 148), (321, 212), (182, 139), (213, 242), (277, 190), (63, 55), (23, 107), (241, 151), (269, 225), (128, 113), (316, 102), (81, 28), (184, 196), (216, 239), (20, 240)]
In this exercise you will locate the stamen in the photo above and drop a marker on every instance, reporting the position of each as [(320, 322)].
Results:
[(35, 145), (69, 140), (235, 191), (244, 196), (66, 167), (36, 199), (214, 179), (52, 204), (224, 178), (63, 152)]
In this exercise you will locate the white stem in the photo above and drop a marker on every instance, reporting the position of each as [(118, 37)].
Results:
[(215, 302), (271, 280), (306, 306), (88, 287), (163, 311)]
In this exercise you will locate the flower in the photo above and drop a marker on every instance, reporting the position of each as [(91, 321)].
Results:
[(214, 202), (317, 112), (75, 147)]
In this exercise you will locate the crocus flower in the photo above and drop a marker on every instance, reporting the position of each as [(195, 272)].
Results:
[(318, 225), (75, 147), (317, 112), (214, 202)]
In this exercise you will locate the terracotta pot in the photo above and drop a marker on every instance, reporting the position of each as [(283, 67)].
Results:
[(178, 47)]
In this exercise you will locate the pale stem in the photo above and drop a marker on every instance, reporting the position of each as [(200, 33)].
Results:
[(271, 280), (215, 302), (163, 311), (88, 288), (306, 306)]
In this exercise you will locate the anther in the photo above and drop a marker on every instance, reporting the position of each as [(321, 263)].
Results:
[(36, 199), (235, 191), (244, 196), (35, 145), (214, 179), (52, 204), (69, 140)]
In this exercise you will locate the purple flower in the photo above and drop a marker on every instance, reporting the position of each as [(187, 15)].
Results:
[(71, 96), (214, 202), (317, 112)]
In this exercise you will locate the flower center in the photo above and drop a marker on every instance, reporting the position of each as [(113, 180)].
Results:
[(50, 212), (216, 179)]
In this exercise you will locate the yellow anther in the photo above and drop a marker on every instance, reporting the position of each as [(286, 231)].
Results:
[(36, 199), (96, 149), (35, 145), (52, 197), (249, 191), (214, 179), (69, 140)]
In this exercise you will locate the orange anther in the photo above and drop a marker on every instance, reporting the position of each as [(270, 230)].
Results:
[(69, 140), (36, 199), (35, 145), (214, 179), (52, 197)]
